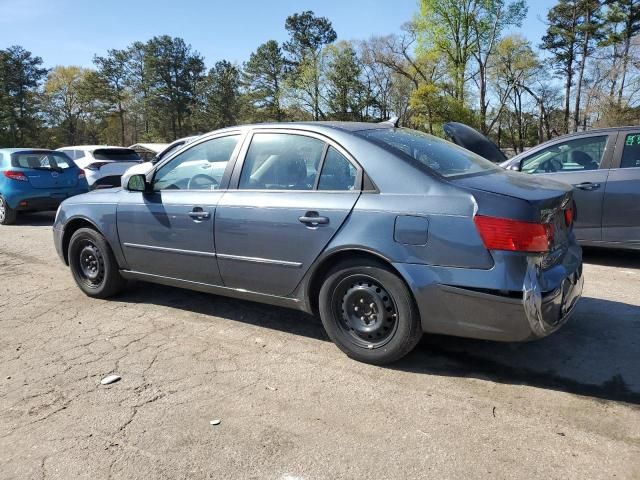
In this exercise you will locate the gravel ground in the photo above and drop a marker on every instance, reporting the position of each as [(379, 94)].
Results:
[(291, 405)]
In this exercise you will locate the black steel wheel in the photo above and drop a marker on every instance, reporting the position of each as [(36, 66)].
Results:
[(7, 214), (93, 264), (368, 312)]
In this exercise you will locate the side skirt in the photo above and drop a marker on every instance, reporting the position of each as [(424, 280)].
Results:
[(287, 302)]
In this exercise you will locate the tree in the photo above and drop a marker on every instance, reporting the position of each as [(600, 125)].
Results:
[(346, 94), (66, 100), (21, 75), (264, 79), (622, 25), (173, 70), (111, 81), (448, 27), (491, 18), (308, 35), (221, 98), (570, 31)]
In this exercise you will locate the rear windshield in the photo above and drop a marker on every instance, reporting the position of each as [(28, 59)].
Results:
[(118, 154), (436, 154), (41, 160)]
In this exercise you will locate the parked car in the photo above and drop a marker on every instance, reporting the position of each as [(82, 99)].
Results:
[(386, 232), (172, 147), (36, 180), (604, 167), (102, 164), (148, 151)]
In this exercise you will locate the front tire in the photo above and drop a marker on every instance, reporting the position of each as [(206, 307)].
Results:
[(93, 265), (369, 313), (7, 214)]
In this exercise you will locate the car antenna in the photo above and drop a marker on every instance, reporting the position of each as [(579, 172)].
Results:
[(393, 121)]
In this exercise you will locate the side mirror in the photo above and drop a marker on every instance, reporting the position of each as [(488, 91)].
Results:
[(137, 183), (139, 169)]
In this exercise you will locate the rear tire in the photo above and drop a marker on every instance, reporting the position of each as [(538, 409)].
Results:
[(93, 265), (7, 214), (368, 312)]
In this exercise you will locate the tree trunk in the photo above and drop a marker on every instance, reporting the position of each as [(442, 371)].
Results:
[(585, 53)]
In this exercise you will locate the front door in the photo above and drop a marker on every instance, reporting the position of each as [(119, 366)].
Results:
[(584, 163), (294, 191), (621, 211), (169, 231)]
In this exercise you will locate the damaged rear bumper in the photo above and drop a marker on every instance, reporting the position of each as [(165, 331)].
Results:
[(517, 300)]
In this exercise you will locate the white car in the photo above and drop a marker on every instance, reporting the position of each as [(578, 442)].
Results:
[(103, 165)]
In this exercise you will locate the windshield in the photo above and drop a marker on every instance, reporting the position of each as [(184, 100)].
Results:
[(438, 155), (117, 154), (41, 160)]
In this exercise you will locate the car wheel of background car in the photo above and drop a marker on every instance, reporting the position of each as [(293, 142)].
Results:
[(7, 214), (93, 264), (369, 313)]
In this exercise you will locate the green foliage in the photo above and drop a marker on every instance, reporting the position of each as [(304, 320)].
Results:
[(264, 80)]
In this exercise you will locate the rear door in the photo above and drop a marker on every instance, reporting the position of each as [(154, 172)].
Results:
[(169, 231), (621, 210), (283, 213), (583, 162)]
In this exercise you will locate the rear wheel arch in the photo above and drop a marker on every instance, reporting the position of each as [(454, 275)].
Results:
[(321, 271), (70, 228)]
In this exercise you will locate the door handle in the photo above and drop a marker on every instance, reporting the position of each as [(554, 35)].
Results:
[(312, 219), (198, 214), (587, 186)]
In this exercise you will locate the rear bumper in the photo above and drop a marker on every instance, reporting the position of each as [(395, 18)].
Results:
[(457, 301), (36, 201), (107, 182)]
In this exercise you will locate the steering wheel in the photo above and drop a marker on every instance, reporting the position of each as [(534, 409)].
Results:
[(551, 165), (200, 181)]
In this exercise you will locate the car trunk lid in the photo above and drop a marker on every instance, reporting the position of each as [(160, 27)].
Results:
[(471, 139)]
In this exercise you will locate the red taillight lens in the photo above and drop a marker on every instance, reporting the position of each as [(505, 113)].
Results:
[(568, 217), (81, 174), (514, 235), (19, 176)]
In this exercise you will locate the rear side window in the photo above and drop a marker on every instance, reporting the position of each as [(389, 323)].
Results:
[(338, 173), (431, 152), (570, 156), (117, 154), (631, 152), (281, 161), (41, 160)]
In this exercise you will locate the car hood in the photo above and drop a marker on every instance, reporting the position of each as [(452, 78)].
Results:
[(514, 184), (471, 139)]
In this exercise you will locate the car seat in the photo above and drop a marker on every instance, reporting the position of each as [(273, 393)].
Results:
[(584, 160)]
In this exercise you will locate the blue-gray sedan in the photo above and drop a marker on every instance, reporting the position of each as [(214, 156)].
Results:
[(385, 232)]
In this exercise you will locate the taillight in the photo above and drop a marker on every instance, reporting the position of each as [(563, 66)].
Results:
[(514, 235), (81, 174), (95, 165), (568, 217), (13, 175)]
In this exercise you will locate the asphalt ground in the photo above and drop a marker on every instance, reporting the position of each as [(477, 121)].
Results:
[(290, 404)]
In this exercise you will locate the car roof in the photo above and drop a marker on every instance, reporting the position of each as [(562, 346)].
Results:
[(596, 130), (92, 147), (318, 126), (9, 151)]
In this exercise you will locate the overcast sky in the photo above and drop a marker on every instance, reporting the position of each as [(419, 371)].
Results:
[(71, 31)]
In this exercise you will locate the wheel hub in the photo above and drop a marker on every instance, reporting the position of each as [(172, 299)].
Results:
[(368, 312), (91, 263)]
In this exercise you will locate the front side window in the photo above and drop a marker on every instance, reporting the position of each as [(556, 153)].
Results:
[(338, 173), (199, 168), (281, 161), (631, 151), (570, 156), (41, 160)]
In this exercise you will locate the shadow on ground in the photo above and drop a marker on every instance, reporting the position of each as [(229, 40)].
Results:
[(38, 219), (596, 354), (612, 258)]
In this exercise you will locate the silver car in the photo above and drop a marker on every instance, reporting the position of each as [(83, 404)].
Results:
[(603, 165), (385, 232)]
